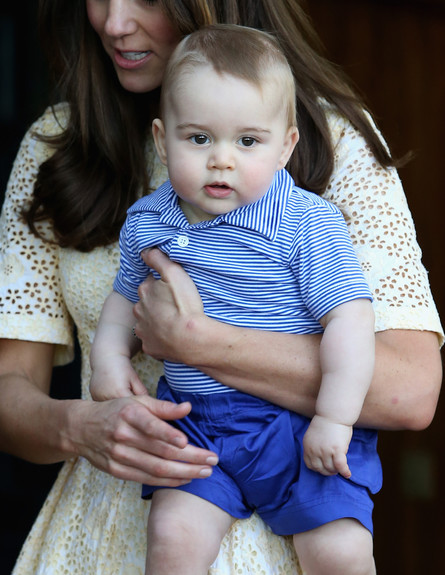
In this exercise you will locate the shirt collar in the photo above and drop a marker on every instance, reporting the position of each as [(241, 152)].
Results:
[(263, 216)]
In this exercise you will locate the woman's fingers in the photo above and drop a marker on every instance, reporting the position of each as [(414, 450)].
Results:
[(160, 262), (135, 465), (130, 439), (166, 309), (175, 284)]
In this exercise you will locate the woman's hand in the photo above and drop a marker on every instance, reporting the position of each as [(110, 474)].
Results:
[(168, 310), (127, 437), (131, 439)]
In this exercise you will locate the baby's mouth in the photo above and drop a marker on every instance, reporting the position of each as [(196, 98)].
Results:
[(218, 190)]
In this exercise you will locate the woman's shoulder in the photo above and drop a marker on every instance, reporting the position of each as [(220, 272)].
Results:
[(347, 138), (52, 122), (342, 129), (36, 144)]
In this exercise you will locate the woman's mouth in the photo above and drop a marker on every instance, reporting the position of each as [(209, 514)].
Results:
[(131, 59), (134, 56)]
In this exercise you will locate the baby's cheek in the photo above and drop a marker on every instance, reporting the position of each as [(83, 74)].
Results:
[(257, 184)]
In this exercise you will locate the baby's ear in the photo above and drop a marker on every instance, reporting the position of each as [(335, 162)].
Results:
[(290, 141), (158, 131)]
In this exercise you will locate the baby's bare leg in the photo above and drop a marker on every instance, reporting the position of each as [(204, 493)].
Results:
[(184, 533), (342, 547)]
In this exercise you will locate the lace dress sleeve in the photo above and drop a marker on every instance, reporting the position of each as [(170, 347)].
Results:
[(31, 301), (382, 230)]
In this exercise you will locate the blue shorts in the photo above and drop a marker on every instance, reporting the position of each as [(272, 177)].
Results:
[(261, 467)]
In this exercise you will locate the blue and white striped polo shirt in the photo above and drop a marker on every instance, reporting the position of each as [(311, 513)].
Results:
[(278, 264)]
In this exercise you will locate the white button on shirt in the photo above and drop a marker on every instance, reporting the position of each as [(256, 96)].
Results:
[(183, 241)]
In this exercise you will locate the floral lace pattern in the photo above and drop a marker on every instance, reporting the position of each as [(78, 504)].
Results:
[(92, 523)]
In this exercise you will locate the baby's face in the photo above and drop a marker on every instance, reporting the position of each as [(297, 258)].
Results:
[(224, 140)]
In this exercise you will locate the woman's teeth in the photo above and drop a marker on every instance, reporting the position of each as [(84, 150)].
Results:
[(134, 55)]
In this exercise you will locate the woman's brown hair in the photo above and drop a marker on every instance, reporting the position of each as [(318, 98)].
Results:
[(99, 167)]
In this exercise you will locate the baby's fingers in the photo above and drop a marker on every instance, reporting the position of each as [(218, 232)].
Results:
[(341, 465), (324, 465), (137, 387)]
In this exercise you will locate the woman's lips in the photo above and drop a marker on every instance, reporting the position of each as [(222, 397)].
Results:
[(131, 59)]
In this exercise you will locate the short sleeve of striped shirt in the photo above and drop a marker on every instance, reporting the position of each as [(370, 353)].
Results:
[(132, 270), (324, 261)]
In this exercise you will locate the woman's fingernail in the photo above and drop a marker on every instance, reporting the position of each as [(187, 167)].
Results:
[(205, 472), (212, 460)]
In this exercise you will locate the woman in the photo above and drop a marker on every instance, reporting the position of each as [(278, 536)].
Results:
[(92, 157)]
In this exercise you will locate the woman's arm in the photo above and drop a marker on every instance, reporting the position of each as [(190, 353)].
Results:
[(283, 368), (126, 437)]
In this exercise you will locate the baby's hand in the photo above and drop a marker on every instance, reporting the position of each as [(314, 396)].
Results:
[(326, 445), (115, 377)]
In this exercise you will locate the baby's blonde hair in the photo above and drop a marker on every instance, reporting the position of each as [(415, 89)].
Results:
[(239, 51)]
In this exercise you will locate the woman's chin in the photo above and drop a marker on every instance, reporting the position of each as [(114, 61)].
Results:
[(137, 83)]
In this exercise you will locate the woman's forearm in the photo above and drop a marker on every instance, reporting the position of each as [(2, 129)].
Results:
[(282, 368), (40, 439), (285, 369), (32, 423), (406, 383)]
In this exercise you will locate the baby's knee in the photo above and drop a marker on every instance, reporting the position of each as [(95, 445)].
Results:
[(184, 533), (343, 547), (350, 558), (174, 535), (170, 547), (179, 544)]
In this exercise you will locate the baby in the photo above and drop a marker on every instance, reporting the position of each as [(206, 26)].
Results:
[(264, 254)]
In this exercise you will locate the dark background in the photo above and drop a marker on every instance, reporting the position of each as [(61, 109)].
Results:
[(395, 52), (24, 94)]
